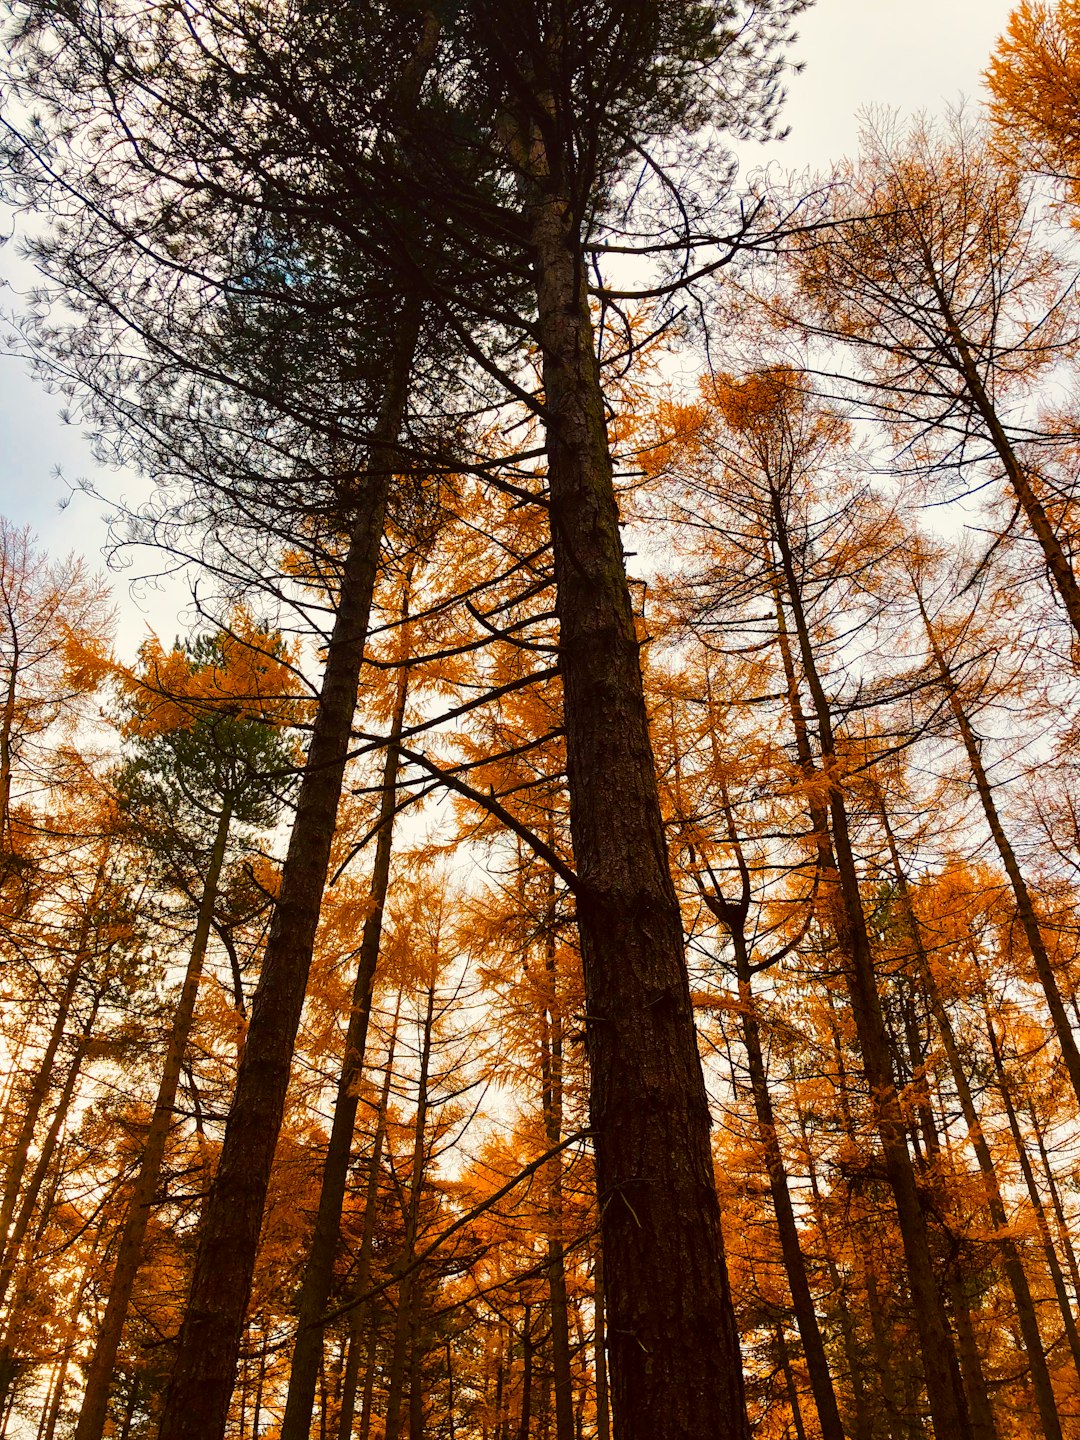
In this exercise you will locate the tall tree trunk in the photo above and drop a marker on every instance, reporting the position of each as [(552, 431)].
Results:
[(129, 1252), (938, 1352), (197, 1399), (983, 1424), (407, 1289), (792, 1388), (319, 1272), (676, 1370), (551, 1074), (732, 914), (526, 1375), (860, 1425), (416, 1384), (360, 1325), (1025, 906), (260, 1381), (802, 1299), (367, 1400), (603, 1415)]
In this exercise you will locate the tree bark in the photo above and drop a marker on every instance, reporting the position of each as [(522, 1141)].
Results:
[(197, 1399), (603, 1414), (41, 1168), (792, 1389), (676, 1370), (1055, 1201), (526, 1375)]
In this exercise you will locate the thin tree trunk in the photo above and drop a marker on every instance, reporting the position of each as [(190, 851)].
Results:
[(129, 1252), (360, 1316), (44, 1160), (416, 1385), (197, 1399), (407, 1289), (1025, 906), (733, 915), (789, 1378), (260, 1381), (995, 1204), (938, 1352), (860, 1424), (43, 1078), (551, 1073), (1055, 1200), (676, 1370), (603, 1415), (1057, 562), (897, 1414), (367, 1400), (526, 1375), (319, 1272), (983, 1425)]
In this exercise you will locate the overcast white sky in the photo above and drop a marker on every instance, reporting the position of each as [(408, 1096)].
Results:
[(912, 54)]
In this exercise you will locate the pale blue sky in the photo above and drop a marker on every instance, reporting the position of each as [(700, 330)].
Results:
[(913, 54)]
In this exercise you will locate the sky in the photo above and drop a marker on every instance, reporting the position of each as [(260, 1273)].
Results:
[(909, 54)]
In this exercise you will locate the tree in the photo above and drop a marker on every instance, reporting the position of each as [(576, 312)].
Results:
[(1034, 83), (934, 276), (206, 754)]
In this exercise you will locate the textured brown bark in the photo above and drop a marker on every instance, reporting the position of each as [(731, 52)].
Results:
[(43, 1078), (367, 1404), (938, 1354), (129, 1252), (676, 1371), (197, 1399), (551, 1073), (983, 1423), (1025, 905), (995, 1204), (319, 1272), (887, 1364), (603, 1410)]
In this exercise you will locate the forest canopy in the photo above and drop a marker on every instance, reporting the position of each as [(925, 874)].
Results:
[(578, 936)]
